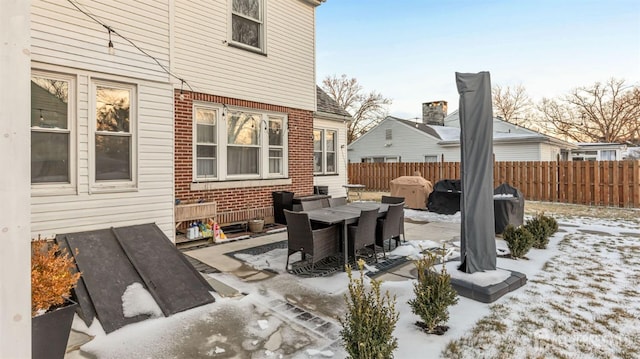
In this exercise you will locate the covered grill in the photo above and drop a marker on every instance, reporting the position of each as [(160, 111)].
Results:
[(414, 189), (508, 207), (445, 198)]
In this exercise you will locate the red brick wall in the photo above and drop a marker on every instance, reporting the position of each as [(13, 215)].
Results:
[(235, 199)]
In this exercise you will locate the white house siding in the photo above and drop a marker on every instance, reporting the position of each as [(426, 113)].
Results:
[(549, 152), (516, 152), (284, 76), (66, 41), (409, 144), (335, 182), (62, 35)]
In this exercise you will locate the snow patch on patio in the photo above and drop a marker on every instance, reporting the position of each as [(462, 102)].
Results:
[(136, 300)]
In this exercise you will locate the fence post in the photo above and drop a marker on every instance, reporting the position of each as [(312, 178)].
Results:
[(636, 183)]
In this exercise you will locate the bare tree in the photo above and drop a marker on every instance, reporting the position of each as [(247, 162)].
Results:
[(603, 112), (367, 109), (512, 104)]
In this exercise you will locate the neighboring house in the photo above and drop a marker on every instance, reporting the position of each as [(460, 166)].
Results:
[(244, 119), (437, 138), (598, 152), (101, 124), (631, 153), (330, 123)]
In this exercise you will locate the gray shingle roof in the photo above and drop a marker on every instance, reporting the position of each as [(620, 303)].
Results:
[(328, 105), (420, 126)]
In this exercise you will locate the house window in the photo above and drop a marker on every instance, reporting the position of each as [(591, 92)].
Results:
[(233, 144), (276, 146), (324, 151), (330, 149), (247, 25), (608, 155), (318, 159), (380, 159), (52, 147), (113, 141), (585, 156), (431, 158), (206, 163), (243, 146), (388, 134)]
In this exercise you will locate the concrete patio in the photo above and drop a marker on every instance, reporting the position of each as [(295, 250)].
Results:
[(305, 320)]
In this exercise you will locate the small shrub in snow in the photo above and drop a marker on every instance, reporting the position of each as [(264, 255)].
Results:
[(519, 240), (551, 225), (434, 295), (541, 227), (367, 328)]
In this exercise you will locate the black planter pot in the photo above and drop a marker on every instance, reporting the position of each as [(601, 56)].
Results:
[(50, 332)]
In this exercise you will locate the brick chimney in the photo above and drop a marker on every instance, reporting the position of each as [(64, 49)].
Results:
[(433, 113)]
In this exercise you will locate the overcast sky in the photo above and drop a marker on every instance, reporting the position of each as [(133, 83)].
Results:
[(409, 50)]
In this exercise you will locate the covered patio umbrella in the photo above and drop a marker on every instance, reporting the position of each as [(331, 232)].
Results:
[(477, 237)]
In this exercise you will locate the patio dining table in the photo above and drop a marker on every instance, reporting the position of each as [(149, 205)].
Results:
[(345, 215)]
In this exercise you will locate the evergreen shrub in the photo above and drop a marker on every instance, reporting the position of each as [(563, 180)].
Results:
[(519, 240), (541, 227), (434, 295), (551, 224), (367, 328)]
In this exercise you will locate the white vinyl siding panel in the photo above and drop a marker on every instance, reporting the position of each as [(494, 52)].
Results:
[(62, 35), (66, 41), (334, 182), (517, 152), (284, 76), (151, 202), (549, 152)]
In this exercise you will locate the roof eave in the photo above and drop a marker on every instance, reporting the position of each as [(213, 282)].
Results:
[(532, 139), (314, 2), (332, 116)]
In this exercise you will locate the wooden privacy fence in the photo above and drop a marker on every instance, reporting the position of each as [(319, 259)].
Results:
[(601, 183)]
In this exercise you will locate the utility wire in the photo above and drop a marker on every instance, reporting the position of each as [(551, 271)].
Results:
[(112, 30)]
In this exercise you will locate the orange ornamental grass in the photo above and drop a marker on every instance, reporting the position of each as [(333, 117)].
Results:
[(52, 276)]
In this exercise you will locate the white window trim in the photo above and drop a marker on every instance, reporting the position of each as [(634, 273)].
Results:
[(221, 132), (324, 150), (194, 141), (284, 147), (115, 185), (52, 189), (263, 37)]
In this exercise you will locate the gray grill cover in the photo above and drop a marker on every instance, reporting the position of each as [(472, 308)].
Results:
[(508, 210), (477, 237)]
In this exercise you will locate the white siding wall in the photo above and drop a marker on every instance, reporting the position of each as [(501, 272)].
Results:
[(62, 35), (153, 199), (285, 76), (549, 152), (517, 152), (408, 143), (66, 41), (334, 182)]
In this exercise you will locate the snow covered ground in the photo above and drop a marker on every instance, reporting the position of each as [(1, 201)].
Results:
[(582, 300)]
